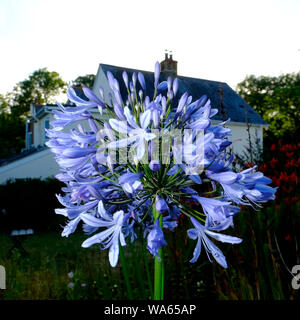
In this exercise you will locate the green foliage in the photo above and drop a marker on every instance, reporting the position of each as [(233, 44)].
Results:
[(12, 134), (277, 100), (40, 88), (12, 130), (35, 205), (85, 81), (43, 274), (4, 107), (258, 267)]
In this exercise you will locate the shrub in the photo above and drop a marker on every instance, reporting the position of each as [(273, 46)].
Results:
[(29, 203)]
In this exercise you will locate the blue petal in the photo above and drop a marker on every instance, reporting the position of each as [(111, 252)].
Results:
[(125, 78), (173, 170), (142, 80), (182, 102), (223, 237), (162, 86), (161, 205), (145, 118), (175, 86), (156, 73), (197, 251), (95, 222), (223, 177), (113, 254)]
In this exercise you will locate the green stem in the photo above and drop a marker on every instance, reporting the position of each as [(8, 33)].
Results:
[(147, 270), (125, 272), (158, 265)]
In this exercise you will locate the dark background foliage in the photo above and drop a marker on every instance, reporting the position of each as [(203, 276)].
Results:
[(29, 203)]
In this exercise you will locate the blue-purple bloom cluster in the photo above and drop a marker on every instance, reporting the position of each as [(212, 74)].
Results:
[(113, 199)]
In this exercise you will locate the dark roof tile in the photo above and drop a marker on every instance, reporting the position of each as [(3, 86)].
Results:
[(234, 105)]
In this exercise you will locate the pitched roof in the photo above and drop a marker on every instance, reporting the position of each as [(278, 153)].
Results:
[(233, 104)]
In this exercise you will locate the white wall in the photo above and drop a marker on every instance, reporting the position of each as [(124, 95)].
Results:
[(39, 130), (240, 139), (40, 164)]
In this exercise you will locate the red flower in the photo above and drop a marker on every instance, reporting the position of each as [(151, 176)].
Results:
[(292, 178), (288, 238), (273, 147), (273, 162), (249, 164), (283, 177), (262, 167)]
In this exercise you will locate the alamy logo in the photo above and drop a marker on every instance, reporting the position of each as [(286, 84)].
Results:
[(128, 146), (296, 279), (2, 278)]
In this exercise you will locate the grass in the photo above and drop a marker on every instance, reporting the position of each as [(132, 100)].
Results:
[(43, 274), (255, 269)]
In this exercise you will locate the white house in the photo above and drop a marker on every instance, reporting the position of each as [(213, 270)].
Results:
[(36, 160)]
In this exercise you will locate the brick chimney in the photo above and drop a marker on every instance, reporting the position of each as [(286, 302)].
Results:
[(168, 67)]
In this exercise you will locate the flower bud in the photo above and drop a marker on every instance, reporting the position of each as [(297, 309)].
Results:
[(154, 165), (161, 205)]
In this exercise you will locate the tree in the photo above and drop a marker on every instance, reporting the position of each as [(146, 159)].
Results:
[(277, 100), (4, 107), (41, 87), (12, 134), (85, 81)]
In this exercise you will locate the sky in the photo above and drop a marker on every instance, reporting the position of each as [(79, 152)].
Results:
[(215, 39)]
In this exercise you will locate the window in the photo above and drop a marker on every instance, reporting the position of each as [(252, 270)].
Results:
[(46, 126), (29, 141)]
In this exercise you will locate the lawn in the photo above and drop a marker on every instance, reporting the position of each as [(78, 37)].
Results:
[(44, 273), (59, 268)]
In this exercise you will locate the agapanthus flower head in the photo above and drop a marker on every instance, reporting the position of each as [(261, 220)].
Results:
[(143, 162)]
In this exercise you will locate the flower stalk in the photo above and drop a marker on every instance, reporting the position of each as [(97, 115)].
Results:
[(125, 272), (158, 265)]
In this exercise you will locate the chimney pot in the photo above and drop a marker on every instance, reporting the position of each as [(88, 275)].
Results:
[(169, 66)]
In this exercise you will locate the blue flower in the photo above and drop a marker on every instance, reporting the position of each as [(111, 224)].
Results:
[(200, 233), (130, 181), (110, 237), (155, 239), (245, 187), (156, 74), (71, 226), (142, 80), (154, 165), (72, 211), (215, 210), (138, 136), (161, 205)]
